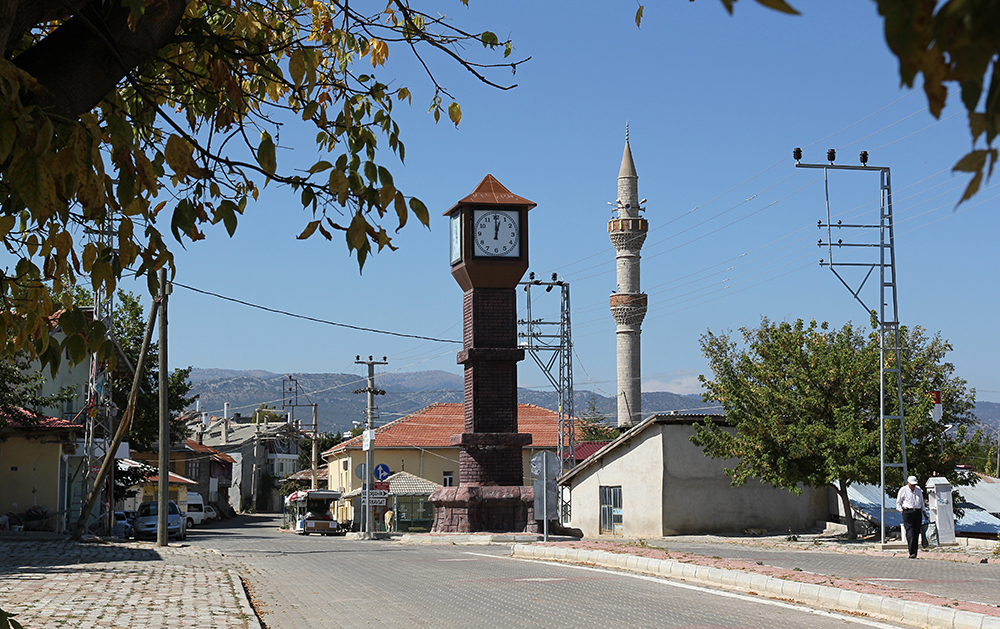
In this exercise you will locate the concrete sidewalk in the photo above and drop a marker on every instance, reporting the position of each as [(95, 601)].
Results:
[(952, 588), (49, 583)]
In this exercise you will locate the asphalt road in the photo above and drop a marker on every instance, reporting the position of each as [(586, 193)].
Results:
[(305, 582)]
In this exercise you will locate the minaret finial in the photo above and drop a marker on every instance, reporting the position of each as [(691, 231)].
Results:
[(626, 131)]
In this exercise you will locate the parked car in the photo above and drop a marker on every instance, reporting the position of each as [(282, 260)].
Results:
[(122, 526), (211, 513), (148, 514)]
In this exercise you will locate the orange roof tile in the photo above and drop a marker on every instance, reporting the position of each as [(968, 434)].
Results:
[(194, 446), (433, 426)]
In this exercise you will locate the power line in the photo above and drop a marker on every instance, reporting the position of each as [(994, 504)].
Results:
[(314, 319)]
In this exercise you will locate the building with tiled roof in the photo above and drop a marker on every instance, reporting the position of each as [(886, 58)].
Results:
[(420, 443), (39, 456), (652, 481)]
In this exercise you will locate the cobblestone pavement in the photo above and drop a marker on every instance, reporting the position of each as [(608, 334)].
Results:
[(53, 584)]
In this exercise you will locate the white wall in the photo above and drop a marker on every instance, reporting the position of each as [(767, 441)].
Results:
[(669, 487), (637, 468)]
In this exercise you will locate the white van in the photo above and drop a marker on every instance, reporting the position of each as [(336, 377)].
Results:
[(195, 509)]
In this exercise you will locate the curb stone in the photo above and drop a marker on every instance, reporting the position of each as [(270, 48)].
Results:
[(253, 621), (835, 599)]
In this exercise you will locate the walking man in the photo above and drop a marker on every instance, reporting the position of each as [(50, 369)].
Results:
[(910, 502)]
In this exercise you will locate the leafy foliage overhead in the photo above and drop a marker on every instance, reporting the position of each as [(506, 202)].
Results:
[(123, 117), (956, 41)]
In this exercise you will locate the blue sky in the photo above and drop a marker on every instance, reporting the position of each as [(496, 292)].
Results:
[(715, 104)]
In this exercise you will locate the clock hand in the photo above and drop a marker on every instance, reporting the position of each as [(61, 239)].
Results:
[(496, 227)]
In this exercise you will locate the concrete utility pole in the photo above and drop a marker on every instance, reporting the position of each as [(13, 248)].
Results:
[(369, 439), (315, 452), (164, 486)]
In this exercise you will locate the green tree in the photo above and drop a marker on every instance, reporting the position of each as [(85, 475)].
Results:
[(113, 110), (326, 441), (128, 329), (803, 404), (593, 424), (19, 390)]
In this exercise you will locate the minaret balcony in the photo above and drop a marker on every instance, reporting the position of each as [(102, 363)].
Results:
[(628, 308), (628, 224)]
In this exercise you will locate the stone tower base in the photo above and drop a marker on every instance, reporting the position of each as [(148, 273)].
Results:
[(476, 509)]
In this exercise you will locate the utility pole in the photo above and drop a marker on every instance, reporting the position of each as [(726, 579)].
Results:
[(164, 485), (890, 347), (315, 452), (290, 398), (369, 439)]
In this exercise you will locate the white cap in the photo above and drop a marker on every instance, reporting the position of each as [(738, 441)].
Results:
[(912, 480)]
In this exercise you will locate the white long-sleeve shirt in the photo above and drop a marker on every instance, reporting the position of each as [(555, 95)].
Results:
[(909, 498)]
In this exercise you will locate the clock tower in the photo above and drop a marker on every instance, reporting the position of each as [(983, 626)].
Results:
[(489, 255)]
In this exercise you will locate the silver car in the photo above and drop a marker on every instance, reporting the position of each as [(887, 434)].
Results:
[(147, 516)]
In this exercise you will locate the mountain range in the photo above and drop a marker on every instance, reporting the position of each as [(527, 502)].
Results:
[(338, 407)]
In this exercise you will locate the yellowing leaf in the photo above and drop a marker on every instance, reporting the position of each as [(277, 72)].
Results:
[(178, 155), (638, 17), (401, 213), (309, 230), (357, 232), (297, 67), (455, 113)]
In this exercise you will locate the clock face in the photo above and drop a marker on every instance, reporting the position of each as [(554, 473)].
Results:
[(496, 234), (456, 237)]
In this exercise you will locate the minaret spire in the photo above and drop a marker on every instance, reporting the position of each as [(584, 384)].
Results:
[(628, 303)]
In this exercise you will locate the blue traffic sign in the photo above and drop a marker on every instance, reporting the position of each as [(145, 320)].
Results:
[(381, 471)]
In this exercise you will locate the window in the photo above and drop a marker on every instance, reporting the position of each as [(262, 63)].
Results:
[(346, 464), (283, 464), (448, 479), (193, 469)]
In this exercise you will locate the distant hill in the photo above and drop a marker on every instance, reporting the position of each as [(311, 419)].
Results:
[(200, 374), (338, 407), (408, 392)]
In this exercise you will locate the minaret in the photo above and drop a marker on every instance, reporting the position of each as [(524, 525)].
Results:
[(628, 304)]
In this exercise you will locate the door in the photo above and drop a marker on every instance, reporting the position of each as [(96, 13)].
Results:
[(611, 510)]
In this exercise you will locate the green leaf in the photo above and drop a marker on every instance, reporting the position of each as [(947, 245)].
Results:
[(420, 211), (638, 17), (227, 212), (265, 153), (320, 166), (489, 39)]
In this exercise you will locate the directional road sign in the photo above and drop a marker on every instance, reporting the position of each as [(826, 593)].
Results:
[(381, 471)]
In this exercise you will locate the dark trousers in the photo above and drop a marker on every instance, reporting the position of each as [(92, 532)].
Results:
[(912, 520)]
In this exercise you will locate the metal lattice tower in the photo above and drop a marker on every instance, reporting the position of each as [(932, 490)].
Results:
[(554, 339), (890, 348), (100, 408)]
